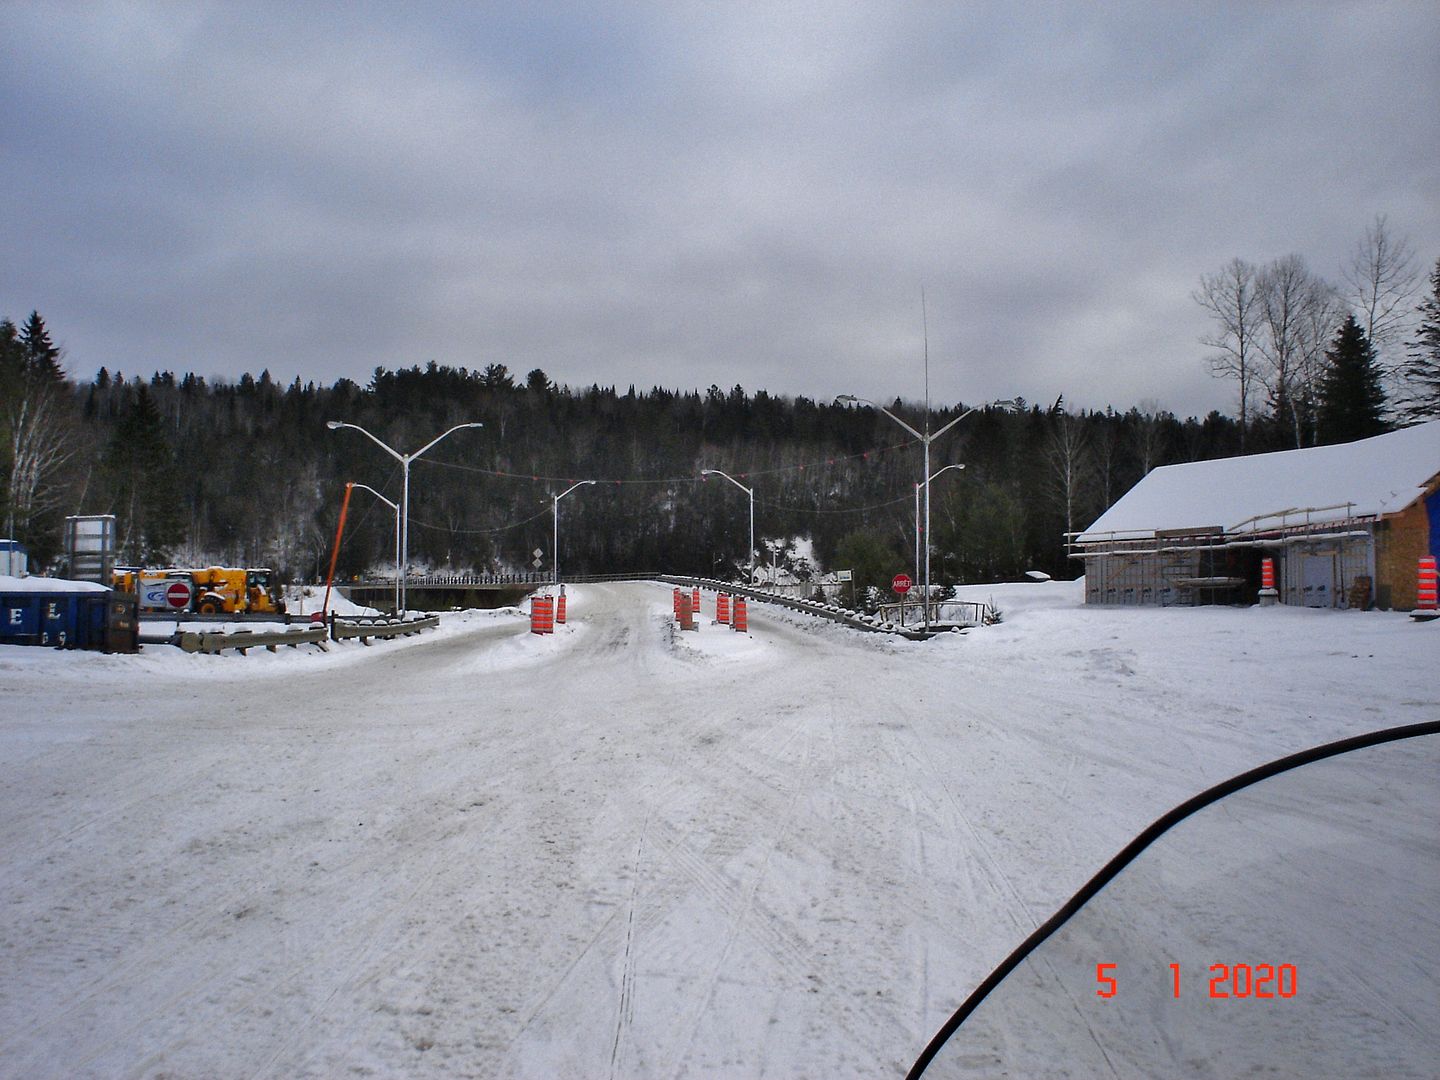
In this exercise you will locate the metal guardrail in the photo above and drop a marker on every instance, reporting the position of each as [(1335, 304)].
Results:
[(366, 628), (972, 612), (422, 581), (216, 641), (844, 616), (212, 642)]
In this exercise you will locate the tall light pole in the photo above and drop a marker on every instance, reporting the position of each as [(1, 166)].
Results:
[(751, 493), (926, 484), (396, 508), (404, 459), (555, 551), (926, 439)]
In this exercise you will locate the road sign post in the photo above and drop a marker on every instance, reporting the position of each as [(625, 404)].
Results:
[(900, 584)]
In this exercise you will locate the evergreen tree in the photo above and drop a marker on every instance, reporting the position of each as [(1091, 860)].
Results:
[(873, 564), (1422, 371), (145, 493), (41, 356), (12, 353), (1351, 401)]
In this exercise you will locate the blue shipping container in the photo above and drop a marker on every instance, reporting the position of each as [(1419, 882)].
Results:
[(65, 620)]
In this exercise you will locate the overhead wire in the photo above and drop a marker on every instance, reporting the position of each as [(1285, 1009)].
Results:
[(570, 479), (670, 481)]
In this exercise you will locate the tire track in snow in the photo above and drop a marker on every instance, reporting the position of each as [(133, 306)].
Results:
[(661, 798), (730, 899), (37, 851), (737, 924), (277, 986), (191, 935), (989, 865), (625, 1014)]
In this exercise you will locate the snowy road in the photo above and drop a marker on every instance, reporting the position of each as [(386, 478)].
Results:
[(610, 852)]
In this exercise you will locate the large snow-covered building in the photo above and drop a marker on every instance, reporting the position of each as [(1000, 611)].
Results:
[(1346, 526)]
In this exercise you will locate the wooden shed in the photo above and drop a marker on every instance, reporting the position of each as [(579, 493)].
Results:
[(1345, 525)]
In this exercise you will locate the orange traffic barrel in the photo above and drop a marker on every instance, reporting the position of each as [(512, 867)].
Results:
[(1425, 585), (722, 608), (1267, 573), (677, 601), (695, 600), (742, 623), (560, 606), (542, 615), (686, 616)]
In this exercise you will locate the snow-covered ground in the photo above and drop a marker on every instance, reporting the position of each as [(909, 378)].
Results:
[(619, 851)]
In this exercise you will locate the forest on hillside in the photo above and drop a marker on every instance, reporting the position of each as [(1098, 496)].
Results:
[(248, 473)]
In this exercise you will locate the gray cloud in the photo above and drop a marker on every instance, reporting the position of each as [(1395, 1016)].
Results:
[(686, 195)]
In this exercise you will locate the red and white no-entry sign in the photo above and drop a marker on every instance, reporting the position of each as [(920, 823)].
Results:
[(901, 584), (177, 595)]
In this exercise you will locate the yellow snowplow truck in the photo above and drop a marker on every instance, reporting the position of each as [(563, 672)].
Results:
[(214, 590)]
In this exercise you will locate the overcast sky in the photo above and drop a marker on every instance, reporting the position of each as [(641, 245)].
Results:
[(682, 195)]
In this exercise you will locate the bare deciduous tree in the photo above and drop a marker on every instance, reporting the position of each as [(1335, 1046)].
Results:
[(1298, 314), (1147, 423), (1071, 463), (39, 444), (1232, 295), (1381, 280)]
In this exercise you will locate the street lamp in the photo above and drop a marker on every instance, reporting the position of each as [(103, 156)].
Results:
[(396, 508), (404, 459), (751, 493), (926, 438), (555, 551), (936, 473)]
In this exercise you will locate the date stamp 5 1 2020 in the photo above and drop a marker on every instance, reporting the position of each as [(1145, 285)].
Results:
[(1237, 981)]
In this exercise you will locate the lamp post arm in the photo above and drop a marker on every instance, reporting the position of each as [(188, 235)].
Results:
[(356, 427), (717, 472), (432, 442), (952, 423), (571, 488), (887, 412), (902, 423), (382, 498)]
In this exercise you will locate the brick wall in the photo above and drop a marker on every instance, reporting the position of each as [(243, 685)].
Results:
[(1400, 541)]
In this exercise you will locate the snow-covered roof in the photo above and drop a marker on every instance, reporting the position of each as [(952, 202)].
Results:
[(33, 584), (1380, 475)]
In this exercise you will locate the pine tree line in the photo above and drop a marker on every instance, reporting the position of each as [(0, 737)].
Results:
[(247, 473), (1278, 326)]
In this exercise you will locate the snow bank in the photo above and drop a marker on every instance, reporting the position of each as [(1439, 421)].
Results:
[(1012, 598), (303, 599)]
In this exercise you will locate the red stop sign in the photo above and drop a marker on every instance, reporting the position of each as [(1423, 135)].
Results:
[(901, 583), (177, 594)]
